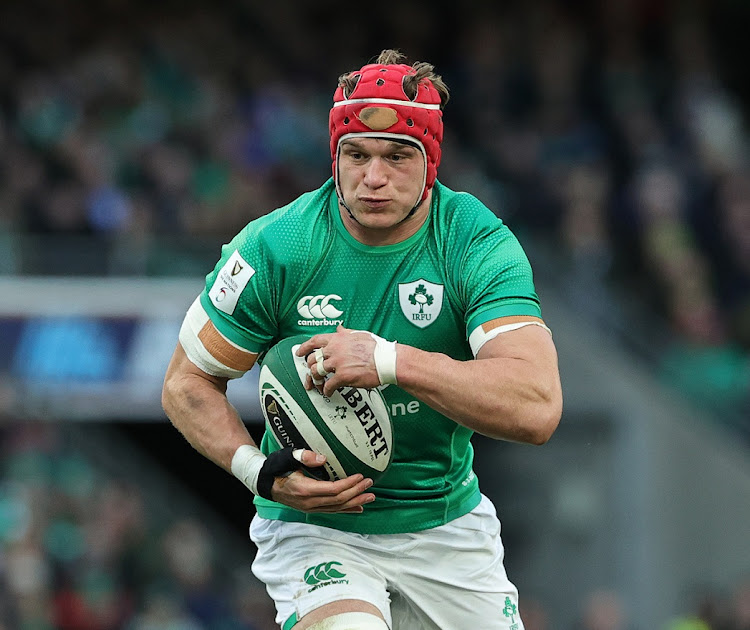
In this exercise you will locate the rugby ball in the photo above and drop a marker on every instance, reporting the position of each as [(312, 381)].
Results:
[(352, 428)]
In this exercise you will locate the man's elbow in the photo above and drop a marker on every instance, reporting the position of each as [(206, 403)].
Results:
[(533, 426), (545, 423), (170, 394)]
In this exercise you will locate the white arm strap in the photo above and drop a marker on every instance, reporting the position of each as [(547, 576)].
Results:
[(196, 319), (246, 464), (384, 357), (479, 337), (385, 360)]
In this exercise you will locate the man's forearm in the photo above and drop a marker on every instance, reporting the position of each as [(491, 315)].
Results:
[(201, 412), (502, 398)]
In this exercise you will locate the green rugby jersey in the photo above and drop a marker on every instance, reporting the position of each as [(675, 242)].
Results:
[(302, 272)]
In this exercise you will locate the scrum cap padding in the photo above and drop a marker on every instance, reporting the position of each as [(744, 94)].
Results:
[(379, 107)]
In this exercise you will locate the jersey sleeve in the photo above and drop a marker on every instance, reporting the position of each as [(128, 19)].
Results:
[(239, 292), (238, 314), (497, 279), (233, 320)]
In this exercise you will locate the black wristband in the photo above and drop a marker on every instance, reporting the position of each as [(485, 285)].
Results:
[(277, 464)]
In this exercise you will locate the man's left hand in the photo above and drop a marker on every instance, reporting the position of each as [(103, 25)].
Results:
[(348, 359)]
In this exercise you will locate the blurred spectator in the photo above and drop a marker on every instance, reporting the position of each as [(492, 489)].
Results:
[(690, 623), (741, 606), (534, 615), (733, 264), (190, 560), (162, 610), (707, 608), (603, 610)]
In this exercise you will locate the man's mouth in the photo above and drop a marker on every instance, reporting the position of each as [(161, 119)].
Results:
[(373, 202)]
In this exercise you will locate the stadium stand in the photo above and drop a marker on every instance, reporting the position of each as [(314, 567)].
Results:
[(138, 138)]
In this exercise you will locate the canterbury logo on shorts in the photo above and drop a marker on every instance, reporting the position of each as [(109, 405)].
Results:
[(324, 574)]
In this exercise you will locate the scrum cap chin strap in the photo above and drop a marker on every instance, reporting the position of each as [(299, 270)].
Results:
[(391, 137)]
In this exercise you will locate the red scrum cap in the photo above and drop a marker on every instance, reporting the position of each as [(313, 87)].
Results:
[(378, 107)]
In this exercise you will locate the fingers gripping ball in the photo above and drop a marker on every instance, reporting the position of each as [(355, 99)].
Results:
[(352, 428)]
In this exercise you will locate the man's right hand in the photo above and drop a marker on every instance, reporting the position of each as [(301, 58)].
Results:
[(306, 494)]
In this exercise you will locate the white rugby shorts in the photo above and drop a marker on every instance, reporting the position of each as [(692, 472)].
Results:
[(445, 578)]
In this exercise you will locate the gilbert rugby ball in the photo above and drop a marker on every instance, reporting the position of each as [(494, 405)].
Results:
[(352, 428)]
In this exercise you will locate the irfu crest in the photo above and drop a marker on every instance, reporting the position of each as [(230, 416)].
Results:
[(510, 611), (421, 301)]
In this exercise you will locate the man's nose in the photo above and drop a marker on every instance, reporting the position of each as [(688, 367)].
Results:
[(375, 173)]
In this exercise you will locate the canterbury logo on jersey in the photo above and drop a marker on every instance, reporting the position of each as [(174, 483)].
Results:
[(323, 574), (318, 310)]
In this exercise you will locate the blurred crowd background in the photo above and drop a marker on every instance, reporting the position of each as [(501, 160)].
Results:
[(85, 546), (137, 137)]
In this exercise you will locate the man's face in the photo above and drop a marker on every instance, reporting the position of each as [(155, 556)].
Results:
[(380, 180)]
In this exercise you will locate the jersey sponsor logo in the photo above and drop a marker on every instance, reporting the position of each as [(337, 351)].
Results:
[(324, 574), (283, 428), (230, 283), (402, 409), (367, 418), (421, 301), (318, 310)]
